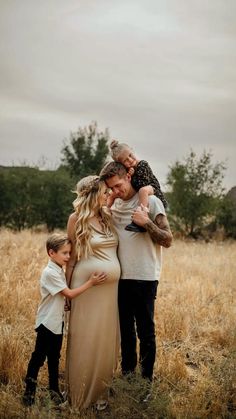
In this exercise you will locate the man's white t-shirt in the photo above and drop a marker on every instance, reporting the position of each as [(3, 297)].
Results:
[(139, 256), (51, 308)]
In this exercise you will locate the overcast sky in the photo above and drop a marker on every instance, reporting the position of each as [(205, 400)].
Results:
[(160, 74)]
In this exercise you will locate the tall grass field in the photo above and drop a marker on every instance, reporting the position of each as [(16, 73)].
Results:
[(195, 372)]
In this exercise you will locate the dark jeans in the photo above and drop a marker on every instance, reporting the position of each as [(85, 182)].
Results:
[(136, 301), (48, 345)]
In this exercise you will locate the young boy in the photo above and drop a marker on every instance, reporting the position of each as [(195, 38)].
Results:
[(49, 320)]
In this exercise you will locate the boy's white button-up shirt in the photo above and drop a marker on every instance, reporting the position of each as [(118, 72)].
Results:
[(51, 308)]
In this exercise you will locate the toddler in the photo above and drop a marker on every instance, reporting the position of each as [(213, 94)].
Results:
[(142, 178)]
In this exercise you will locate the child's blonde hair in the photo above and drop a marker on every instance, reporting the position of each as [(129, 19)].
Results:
[(56, 241), (117, 148)]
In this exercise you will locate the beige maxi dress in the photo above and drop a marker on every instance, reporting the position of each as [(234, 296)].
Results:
[(93, 335)]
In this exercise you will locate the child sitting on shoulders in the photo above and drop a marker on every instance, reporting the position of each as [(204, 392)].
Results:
[(142, 178)]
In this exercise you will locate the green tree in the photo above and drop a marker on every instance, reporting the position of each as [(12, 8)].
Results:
[(56, 198), (30, 197), (227, 213), (87, 151), (19, 192), (195, 192), (4, 205)]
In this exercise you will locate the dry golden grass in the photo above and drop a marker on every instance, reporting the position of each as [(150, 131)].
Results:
[(195, 321)]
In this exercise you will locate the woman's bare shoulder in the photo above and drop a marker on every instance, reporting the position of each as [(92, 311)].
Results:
[(72, 218)]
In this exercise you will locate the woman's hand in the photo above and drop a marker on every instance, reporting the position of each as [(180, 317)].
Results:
[(67, 305), (111, 198)]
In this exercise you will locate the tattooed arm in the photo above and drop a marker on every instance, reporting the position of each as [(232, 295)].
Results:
[(159, 230)]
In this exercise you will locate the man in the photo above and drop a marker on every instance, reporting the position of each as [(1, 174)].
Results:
[(140, 259)]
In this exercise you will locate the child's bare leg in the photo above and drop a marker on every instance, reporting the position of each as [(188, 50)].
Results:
[(143, 194)]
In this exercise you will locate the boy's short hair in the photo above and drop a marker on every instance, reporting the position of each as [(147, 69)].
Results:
[(112, 169), (56, 241)]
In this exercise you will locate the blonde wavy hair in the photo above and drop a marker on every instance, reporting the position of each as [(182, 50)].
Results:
[(86, 205)]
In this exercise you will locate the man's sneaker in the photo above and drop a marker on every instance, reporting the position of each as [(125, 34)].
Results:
[(134, 227), (28, 399)]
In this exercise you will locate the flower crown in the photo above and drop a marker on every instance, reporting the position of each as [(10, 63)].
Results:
[(92, 186)]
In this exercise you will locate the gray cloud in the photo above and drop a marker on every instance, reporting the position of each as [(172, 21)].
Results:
[(159, 74)]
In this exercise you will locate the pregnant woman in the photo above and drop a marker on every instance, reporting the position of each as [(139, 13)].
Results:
[(93, 337)]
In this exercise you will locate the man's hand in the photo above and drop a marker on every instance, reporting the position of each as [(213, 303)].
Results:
[(159, 230), (140, 216)]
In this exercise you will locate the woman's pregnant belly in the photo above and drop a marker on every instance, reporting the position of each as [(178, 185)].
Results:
[(85, 267)]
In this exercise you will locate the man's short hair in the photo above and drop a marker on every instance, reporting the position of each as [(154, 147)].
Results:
[(56, 241), (112, 169)]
